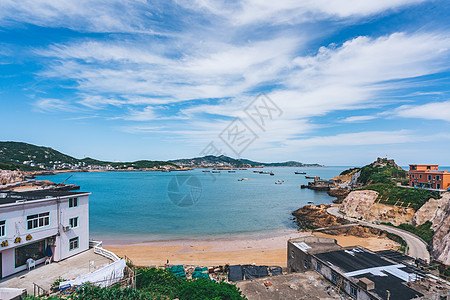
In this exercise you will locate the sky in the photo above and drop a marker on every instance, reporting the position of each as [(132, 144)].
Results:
[(336, 82)]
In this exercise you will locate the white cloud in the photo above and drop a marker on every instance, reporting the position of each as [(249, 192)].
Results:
[(354, 119), (358, 139), (53, 105), (429, 111), (294, 11), (82, 15)]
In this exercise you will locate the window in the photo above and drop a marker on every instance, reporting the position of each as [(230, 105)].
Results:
[(334, 278), (73, 222), (292, 254), (428, 167), (34, 250), (438, 186), (73, 202), (353, 291), (429, 177), (420, 176), (38, 220), (3, 228), (319, 266), (73, 243), (306, 264), (438, 177)]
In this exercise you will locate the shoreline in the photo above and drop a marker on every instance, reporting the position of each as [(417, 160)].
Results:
[(268, 250)]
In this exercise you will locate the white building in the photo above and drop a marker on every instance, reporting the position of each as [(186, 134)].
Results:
[(39, 224)]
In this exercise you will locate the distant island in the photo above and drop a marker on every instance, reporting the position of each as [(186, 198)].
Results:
[(28, 157)]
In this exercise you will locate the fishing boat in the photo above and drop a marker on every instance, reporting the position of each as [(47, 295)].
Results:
[(215, 172), (242, 179), (271, 174), (310, 177), (206, 171), (299, 172), (231, 171)]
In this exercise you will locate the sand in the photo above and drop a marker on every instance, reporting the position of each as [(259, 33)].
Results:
[(258, 250)]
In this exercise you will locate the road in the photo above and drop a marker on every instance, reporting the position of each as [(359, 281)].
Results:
[(416, 247)]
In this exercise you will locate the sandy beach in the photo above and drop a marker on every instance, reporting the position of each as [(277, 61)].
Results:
[(264, 251)]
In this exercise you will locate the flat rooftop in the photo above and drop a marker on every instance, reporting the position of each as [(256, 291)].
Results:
[(350, 260), (12, 197), (386, 272)]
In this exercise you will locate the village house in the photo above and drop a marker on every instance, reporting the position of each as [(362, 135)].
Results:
[(41, 226), (428, 176)]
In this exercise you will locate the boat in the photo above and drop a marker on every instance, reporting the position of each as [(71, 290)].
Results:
[(215, 172), (255, 171), (206, 171), (271, 173), (277, 182), (310, 202), (231, 171), (242, 179), (299, 172), (310, 177)]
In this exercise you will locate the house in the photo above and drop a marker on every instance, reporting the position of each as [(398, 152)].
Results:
[(363, 274), (41, 224), (428, 176)]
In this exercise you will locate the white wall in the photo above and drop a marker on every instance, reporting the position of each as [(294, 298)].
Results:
[(16, 226)]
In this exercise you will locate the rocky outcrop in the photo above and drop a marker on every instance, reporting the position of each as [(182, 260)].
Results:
[(311, 217), (361, 204), (431, 211), (358, 203), (339, 193), (7, 176), (384, 162), (438, 212)]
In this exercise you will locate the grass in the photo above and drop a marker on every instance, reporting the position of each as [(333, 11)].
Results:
[(157, 283), (401, 196), (424, 231)]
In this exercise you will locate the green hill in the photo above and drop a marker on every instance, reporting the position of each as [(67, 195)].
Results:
[(28, 157)]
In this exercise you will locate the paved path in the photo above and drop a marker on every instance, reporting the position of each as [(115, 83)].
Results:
[(416, 246)]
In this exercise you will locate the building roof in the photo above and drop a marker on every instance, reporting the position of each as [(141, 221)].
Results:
[(386, 274), (354, 259), (13, 197)]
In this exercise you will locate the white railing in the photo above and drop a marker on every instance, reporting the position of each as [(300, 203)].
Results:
[(93, 244), (108, 254)]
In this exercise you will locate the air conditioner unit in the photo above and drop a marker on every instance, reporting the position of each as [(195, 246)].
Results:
[(66, 228)]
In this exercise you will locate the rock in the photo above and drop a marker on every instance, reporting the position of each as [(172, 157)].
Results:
[(361, 204), (440, 244), (431, 211), (311, 216), (339, 193), (7, 176), (358, 203)]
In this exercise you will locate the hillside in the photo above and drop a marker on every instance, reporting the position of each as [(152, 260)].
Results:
[(28, 157), (225, 161)]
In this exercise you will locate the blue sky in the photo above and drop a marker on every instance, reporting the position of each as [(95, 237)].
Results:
[(128, 80)]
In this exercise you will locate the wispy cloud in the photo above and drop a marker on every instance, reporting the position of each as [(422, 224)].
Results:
[(429, 111)]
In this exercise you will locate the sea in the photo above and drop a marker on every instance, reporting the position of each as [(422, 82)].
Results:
[(147, 206)]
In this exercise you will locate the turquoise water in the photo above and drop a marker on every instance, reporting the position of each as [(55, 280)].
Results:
[(136, 206)]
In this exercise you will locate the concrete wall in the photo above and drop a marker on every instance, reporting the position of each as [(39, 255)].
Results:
[(296, 258), (16, 226)]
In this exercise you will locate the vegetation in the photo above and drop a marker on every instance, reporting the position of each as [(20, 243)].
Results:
[(14, 154), (401, 196), (374, 174), (222, 160), (156, 283), (348, 171), (423, 231)]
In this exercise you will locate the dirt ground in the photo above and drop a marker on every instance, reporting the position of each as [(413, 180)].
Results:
[(308, 285)]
